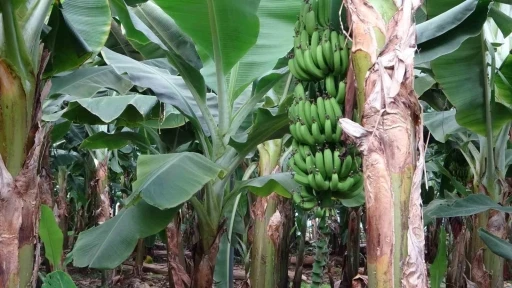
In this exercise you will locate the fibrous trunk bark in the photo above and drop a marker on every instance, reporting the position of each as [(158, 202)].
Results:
[(178, 277), (353, 239), (272, 214), (61, 205), (102, 191), (390, 139)]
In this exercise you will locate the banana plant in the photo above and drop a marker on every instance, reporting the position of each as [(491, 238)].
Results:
[(484, 108), (24, 67), (227, 118)]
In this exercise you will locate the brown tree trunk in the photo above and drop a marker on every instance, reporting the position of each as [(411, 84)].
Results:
[(61, 205), (102, 191), (178, 277), (390, 140)]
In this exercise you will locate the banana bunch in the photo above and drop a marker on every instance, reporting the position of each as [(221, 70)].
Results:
[(314, 121), (305, 199), (324, 171), (318, 51)]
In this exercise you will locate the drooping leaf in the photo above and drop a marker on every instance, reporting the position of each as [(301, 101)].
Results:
[(58, 279), (118, 43), (441, 124), (502, 20), (168, 88), (452, 39), (280, 183), (497, 245), (438, 268), (106, 246), (444, 22), (466, 67), (86, 82), (470, 205), (503, 81), (266, 126), (167, 180), (275, 39), (354, 202), (423, 83), (52, 237), (102, 110), (32, 20), (59, 130), (227, 30), (113, 141)]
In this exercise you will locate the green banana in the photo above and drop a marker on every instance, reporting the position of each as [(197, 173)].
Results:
[(336, 107), (327, 12), (337, 134), (299, 91), (334, 182), (337, 161), (328, 53), (302, 152), (299, 162), (307, 150), (315, 129), (307, 112), (358, 161), (320, 15), (306, 135), (297, 27), (302, 109), (299, 135), (308, 206), (296, 71), (337, 62), (306, 195), (296, 169), (310, 22), (297, 200), (315, 39), (304, 10), (328, 162), (293, 131), (328, 129), (311, 67), (321, 59), (304, 40), (330, 86), (329, 110), (344, 186), (299, 58), (302, 180), (310, 164), (354, 167), (344, 54), (312, 182), (345, 167), (320, 104), (320, 182), (340, 96), (314, 113), (319, 162), (356, 187)]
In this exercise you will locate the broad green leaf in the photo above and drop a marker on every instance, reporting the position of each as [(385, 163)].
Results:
[(452, 39), (466, 67), (497, 245), (168, 32), (171, 119), (266, 126), (354, 202), (503, 81), (470, 205), (440, 265), (227, 30), (441, 124), (91, 19), (444, 22), (280, 183), (58, 279), (118, 43), (86, 82), (59, 130), (113, 141), (52, 237), (423, 83), (64, 57), (168, 88), (168, 180), (32, 19), (275, 39), (502, 20), (106, 246), (102, 110)]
